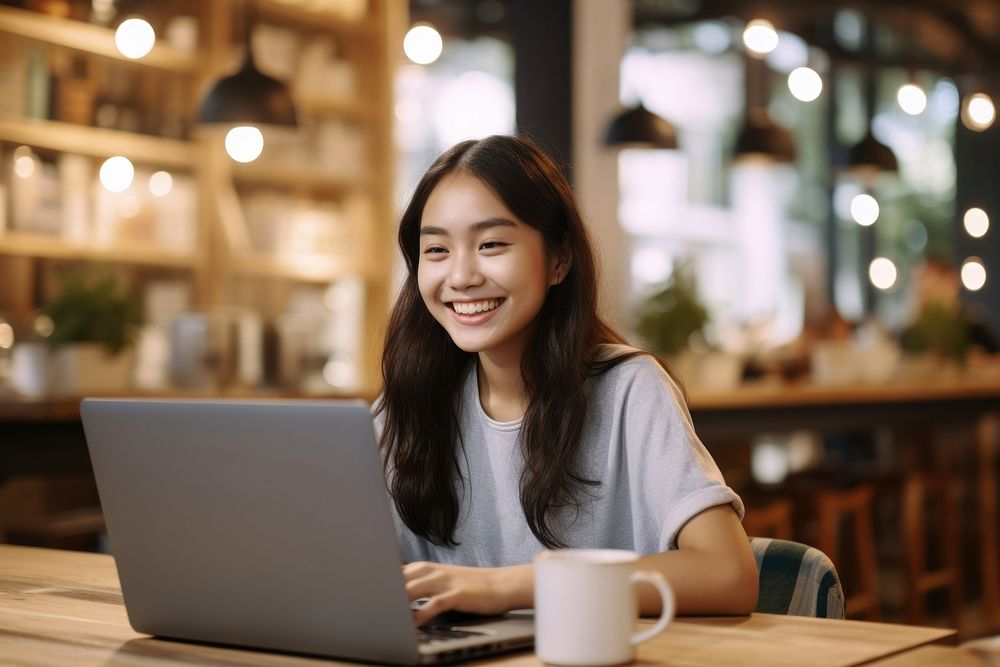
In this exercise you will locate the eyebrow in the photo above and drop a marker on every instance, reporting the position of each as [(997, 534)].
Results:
[(478, 227)]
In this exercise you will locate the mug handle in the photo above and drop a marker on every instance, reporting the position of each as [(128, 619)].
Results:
[(666, 594)]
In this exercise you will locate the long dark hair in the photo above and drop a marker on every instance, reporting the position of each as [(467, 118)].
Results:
[(423, 369)]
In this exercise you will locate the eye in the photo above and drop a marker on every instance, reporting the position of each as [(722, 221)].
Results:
[(434, 250), (492, 245)]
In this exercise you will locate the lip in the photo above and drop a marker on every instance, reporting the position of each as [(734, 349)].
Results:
[(474, 318)]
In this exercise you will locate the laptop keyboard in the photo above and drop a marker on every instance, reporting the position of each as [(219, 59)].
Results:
[(431, 634)]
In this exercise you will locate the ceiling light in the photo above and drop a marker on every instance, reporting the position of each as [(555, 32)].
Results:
[(760, 37), (134, 38), (423, 44), (641, 128), (912, 99), (978, 112), (805, 83), (248, 97), (973, 274), (976, 222), (244, 143)]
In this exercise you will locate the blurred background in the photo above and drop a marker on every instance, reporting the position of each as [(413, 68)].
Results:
[(793, 202)]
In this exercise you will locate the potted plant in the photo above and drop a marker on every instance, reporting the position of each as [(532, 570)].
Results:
[(94, 324), (672, 322), (939, 330), (672, 315)]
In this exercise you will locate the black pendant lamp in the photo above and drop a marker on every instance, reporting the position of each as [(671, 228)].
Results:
[(870, 156), (248, 96), (640, 128), (760, 139)]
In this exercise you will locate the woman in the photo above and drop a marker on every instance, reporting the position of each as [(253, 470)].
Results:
[(514, 419)]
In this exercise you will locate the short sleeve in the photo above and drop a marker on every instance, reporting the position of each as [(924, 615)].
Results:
[(672, 475)]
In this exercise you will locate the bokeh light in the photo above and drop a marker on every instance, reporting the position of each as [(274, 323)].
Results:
[(160, 183), (25, 162), (976, 222), (6, 336), (912, 99), (760, 37), (973, 274), (135, 38), (882, 272), (423, 44), (864, 210), (805, 83), (244, 143), (117, 173), (978, 112)]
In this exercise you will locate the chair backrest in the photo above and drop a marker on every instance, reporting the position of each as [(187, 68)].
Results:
[(796, 579)]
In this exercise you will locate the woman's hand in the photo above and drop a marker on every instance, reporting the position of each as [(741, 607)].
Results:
[(477, 590)]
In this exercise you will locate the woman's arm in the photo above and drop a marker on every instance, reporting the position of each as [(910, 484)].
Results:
[(711, 572)]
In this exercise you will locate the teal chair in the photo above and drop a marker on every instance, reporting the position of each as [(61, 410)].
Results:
[(796, 580)]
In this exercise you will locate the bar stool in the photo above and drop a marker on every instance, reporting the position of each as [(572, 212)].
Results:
[(771, 520), (918, 489), (833, 506)]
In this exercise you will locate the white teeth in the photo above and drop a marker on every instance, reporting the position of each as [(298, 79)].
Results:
[(475, 307)]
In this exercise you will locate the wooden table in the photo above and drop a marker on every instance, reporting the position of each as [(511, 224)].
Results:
[(934, 656), (62, 607)]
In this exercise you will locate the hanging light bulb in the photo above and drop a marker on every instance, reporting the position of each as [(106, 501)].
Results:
[(976, 222), (882, 272), (973, 274), (864, 210), (978, 112), (117, 173), (247, 99), (805, 84), (134, 38), (24, 162), (160, 183), (760, 37), (244, 143), (912, 99), (423, 44)]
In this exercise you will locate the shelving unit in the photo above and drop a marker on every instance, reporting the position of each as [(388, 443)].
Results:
[(93, 39), (222, 272), (300, 178), (348, 109), (97, 142), (22, 244)]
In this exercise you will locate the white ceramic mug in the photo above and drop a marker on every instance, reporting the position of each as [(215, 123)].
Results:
[(586, 609)]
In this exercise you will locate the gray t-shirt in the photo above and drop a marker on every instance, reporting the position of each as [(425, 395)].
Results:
[(638, 441)]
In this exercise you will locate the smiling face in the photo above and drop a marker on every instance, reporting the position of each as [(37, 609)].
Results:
[(483, 273)]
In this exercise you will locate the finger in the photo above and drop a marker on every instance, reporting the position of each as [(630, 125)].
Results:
[(417, 569), (425, 587), (436, 605)]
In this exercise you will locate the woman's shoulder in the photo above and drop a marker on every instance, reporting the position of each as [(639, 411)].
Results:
[(638, 390), (623, 367)]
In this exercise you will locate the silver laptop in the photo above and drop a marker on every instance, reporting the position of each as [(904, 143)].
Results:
[(268, 525)]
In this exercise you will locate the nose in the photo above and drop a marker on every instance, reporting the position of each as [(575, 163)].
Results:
[(465, 271)]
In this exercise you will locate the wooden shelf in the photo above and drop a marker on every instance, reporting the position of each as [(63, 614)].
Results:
[(97, 142), (349, 109), (89, 38), (25, 244), (303, 18), (295, 177), (315, 268)]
